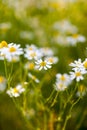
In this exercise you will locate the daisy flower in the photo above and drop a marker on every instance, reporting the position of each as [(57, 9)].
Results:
[(52, 59), (65, 26), (2, 83), (15, 92), (33, 54), (5, 26), (81, 90), (85, 64), (78, 75), (11, 51), (46, 51), (33, 78), (59, 86), (43, 64), (61, 40), (75, 38), (31, 47), (77, 65), (63, 78), (29, 66)]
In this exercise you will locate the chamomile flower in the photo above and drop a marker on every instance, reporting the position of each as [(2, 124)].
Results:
[(78, 75), (61, 40), (31, 47), (81, 90), (15, 92), (29, 66), (52, 59), (75, 38), (77, 65), (65, 26), (43, 64), (59, 86), (63, 78), (33, 77), (2, 83), (85, 64), (3, 44), (11, 51), (46, 51), (34, 54), (14, 59), (5, 26), (26, 35)]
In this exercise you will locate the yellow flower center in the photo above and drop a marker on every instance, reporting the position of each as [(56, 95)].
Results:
[(31, 66), (75, 35), (51, 60), (12, 49), (33, 77), (63, 77), (85, 64), (43, 63), (78, 74), (33, 54), (30, 48), (1, 79), (15, 90), (3, 44), (81, 88), (61, 85)]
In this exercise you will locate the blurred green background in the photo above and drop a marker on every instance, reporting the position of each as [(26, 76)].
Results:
[(30, 21)]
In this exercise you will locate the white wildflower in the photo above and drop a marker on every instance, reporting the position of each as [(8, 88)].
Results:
[(15, 92), (52, 59), (2, 83), (43, 64), (75, 38), (33, 77), (77, 65), (78, 75)]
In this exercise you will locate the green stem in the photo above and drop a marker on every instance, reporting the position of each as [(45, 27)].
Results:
[(66, 120), (50, 95), (54, 101), (5, 64), (69, 115), (45, 121)]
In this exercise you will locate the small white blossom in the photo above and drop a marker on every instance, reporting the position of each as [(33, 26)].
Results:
[(52, 59), (30, 55), (78, 75), (63, 78), (81, 90), (59, 86), (75, 39), (65, 26), (61, 40), (46, 51), (77, 65), (43, 64), (10, 51), (85, 63), (33, 77), (62, 81), (31, 47), (15, 92), (29, 66), (32, 52), (5, 26), (26, 35), (2, 83)]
